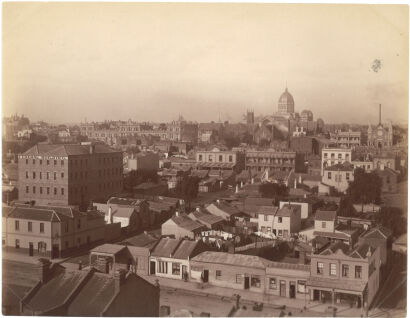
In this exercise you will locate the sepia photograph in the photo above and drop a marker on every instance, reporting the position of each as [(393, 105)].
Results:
[(193, 159)]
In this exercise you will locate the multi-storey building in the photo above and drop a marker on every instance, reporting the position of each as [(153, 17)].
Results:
[(69, 174), (51, 231), (339, 273), (380, 136), (271, 160), (332, 156), (348, 139), (217, 159), (338, 176)]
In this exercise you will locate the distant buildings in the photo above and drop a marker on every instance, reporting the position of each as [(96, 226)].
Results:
[(217, 159), (145, 161), (348, 139), (261, 160), (338, 176), (333, 156), (69, 174)]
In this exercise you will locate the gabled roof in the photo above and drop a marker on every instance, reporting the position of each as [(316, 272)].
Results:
[(185, 249), (141, 240), (55, 291), (362, 250), (222, 206), (386, 171), (232, 259), (322, 215), (108, 248), (267, 210), (166, 247), (37, 214), (206, 217), (185, 222), (336, 246), (288, 210)]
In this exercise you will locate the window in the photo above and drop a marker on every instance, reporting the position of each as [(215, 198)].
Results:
[(41, 227), (34, 175), (302, 287), (26, 161), (34, 161), (48, 175), (279, 219), (220, 158), (48, 162), (62, 162), (279, 232), (41, 190), (62, 191), (17, 225), (347, 176), (256, 281), (78, 223), (329, 175), (17, 243), (27, 189), (230, 158), (30, 226), (55, 175), (332, 269), (319, 268), (325, 155), (34, 190), (48, 190), (239, 278), (26, 174), (41, 162), (62, 175), (41, 175), (358, 272), (55, 191), (323, 225), (272, 283), (345, 270), (265, 217), (218, 274), (162, 267), (176, 268), (339, 156), (66, 226), (55, 162)]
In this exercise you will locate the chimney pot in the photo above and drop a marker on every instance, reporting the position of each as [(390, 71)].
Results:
[(119, 277)]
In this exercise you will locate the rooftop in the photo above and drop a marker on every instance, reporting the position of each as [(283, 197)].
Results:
[(67, 149), (322, 215), (232, 259)]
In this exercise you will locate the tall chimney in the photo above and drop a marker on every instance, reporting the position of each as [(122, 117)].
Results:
[(43, 269), (119, 278), (110, 220), (380, 113)]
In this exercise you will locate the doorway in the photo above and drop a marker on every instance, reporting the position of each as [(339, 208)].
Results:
[(316, 294), (30, 249), (205, 275), (55, 251), (292, 290), (152, 268), (246, 282), (283, 288)]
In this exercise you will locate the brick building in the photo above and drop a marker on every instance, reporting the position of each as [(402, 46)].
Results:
[(270, 160), (69, 174)]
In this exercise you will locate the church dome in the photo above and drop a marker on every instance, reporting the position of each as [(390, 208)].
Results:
[(286, 97), (286, 104)]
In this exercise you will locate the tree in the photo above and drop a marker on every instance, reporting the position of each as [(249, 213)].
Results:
[(366, 187), (231, 140), (187, 188), (247, 138), (273, 190), (346, 208), (393, 219)]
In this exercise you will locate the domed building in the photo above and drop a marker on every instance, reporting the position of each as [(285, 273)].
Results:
[(286, 104)]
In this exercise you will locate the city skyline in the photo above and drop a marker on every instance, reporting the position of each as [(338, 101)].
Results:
[(152, 62)]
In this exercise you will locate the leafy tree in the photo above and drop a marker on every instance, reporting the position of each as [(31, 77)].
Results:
[(231, 140), (247, 138), (136, 177), (393, 219), (273, 190), (346, 208), (187, 188), (366, 187), (264, 142)]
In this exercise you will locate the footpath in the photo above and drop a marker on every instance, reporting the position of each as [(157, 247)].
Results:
[(298, 307)]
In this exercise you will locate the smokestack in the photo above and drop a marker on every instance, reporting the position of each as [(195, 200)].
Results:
[(296, 183), (380, 113)]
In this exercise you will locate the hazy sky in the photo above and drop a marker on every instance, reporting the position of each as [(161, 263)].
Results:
[(63, 62)]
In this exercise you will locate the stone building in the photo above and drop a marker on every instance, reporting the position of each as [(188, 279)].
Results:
[(380, 136), (69, 174)]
